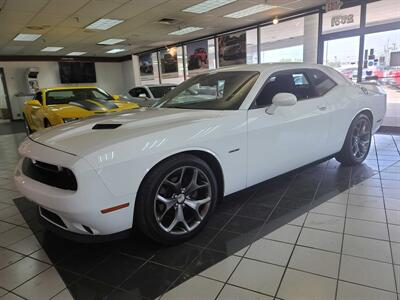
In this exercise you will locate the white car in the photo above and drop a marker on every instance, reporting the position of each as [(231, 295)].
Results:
[(148, 95), (163, 170)]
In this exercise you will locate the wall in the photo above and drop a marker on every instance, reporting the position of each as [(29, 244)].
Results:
[(114, 77)]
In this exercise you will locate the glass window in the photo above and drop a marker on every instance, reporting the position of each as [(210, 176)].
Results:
[(149, 69), (66, 96), (381, 12), (322, 83), (171, 62), (217, 91), (161, 91), (251, 47), (135, 92), (381, 64), (340, 20), (284, 42), (199, 57), (38, 97), (342, 54)]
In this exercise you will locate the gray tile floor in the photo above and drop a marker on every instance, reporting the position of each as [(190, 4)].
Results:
[(346, 248)]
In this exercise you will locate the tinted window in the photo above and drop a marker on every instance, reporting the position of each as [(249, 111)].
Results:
[(66, 96), (214, 91), (294, 82), (38, 97), (160, 91), (322, 83), (135, 92)]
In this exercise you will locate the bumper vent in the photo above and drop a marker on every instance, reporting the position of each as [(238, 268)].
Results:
[(105, 126), (52, 217), (49, 174)]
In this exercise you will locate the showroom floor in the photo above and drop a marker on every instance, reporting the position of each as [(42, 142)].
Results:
[(322, 232)]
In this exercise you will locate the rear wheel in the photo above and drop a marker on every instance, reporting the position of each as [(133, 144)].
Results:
[(358, 141), (176, 199)]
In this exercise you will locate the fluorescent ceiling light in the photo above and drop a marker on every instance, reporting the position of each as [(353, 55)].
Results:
[(27, 37), (185, 30), (207, 6), (117, 50), (51, 49), (104, 24), (250, 11), (111, 41), (76, 53)]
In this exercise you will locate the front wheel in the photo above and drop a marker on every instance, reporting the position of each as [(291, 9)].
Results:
[(358, 141), (176, 199)]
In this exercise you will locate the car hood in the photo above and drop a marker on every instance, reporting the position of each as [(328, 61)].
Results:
[(82, 137)]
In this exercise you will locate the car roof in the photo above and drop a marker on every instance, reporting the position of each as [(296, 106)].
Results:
[(61, 88)]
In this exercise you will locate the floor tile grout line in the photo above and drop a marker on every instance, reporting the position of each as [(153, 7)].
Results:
[(256, 235), (206, 247), (390, 244), (343, 233)]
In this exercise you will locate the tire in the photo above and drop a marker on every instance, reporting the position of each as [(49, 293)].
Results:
[(357, 142), (28, 129), (167, 193)]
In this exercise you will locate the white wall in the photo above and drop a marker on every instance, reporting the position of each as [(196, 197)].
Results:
[(114, 77)]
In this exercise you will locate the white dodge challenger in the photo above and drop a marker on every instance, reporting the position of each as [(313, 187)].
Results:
[(162, 170)]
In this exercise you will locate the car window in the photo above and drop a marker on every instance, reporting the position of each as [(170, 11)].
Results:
[(214, 91), (66, 96), (160, 91), (38, 97), (135, 92), (293, 82), (322, 82)]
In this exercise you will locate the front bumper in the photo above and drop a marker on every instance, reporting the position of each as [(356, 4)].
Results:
[(80, 209)]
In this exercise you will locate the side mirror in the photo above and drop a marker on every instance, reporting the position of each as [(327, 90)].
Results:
[(281, 99), (116, 97), (33, 103), (143, 95)]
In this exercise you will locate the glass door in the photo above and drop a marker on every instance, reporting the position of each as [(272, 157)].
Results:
[(381, 64)]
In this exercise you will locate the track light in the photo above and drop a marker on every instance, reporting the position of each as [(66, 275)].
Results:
[(275, 21)]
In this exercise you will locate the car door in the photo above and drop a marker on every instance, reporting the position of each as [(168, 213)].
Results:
[(291, 136)]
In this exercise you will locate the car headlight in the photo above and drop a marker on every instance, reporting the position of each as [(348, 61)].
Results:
[(67, 120)]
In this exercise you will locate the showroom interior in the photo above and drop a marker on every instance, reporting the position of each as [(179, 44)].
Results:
[(325, 229)]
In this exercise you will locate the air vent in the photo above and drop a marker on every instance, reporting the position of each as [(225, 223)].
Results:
[(105, 126), (37, 27), (167, 21)]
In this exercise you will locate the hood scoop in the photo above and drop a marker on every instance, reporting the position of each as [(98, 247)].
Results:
[(105, 126)]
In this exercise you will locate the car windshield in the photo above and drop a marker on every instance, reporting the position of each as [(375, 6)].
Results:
[(161, 91), (67, 96), (214, 91)]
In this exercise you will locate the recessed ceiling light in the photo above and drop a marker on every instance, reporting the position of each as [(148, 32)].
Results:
[(207, 6), (27, 37), (275, 21), (111, 41), (76, 53), (51, 49), (185, 30), (117, 50), (104, 24), (250, 11)]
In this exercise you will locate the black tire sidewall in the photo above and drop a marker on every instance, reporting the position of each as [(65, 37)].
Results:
[(144, 211)]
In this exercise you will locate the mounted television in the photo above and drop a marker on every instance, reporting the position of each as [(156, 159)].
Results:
[(77, 72)]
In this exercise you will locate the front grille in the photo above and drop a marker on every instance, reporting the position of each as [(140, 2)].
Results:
[(49, 174), (52, 217)]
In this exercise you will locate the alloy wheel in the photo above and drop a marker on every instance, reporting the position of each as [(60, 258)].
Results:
[(361, 138), (183, 200)]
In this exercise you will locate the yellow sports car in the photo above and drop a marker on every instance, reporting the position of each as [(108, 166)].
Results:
[(60, 105)]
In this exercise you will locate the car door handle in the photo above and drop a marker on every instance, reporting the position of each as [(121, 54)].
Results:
[(322, 107)]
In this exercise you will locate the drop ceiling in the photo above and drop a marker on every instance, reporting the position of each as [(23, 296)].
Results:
[(62, 23)]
